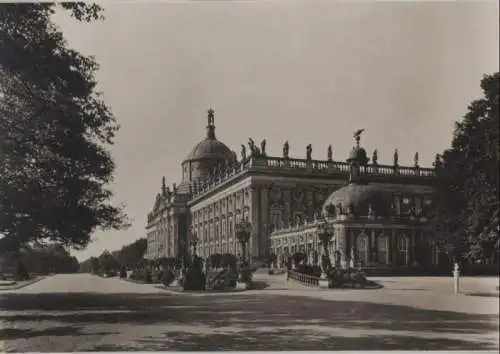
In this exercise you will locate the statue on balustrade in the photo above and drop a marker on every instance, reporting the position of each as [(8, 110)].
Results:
[(286, 149), (370, 211), (330, 210), (309, 150), (163, 186), (375, 157), (396, 158), (174, 189), (263, 147), (437, 160), (254, 150), (168, 193), (235, 157), (339, 209), (329, 153), (415, 159), (243, 152)]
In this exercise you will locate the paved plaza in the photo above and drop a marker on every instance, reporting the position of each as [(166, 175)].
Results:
[(82, 312)]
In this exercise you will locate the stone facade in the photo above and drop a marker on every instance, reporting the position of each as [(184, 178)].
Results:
[(280, 197)]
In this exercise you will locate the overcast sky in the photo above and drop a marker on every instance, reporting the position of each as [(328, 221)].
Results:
[(303, 71)]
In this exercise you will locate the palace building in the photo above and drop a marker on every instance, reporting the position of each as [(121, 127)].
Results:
[(376, 213)]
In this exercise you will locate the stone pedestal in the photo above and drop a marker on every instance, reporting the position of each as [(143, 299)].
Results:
[(241, 286), (324, 283)]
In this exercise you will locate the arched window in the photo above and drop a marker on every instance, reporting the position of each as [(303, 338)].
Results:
[(403, 249), (382, 249), (362, 248)]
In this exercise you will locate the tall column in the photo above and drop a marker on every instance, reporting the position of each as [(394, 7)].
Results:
[(264, 220), (288, 204), (394, 247), (342, 246), (390, 246), (413, 255), (255, 237)]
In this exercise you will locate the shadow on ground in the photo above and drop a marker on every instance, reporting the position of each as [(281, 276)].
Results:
[(245, 322)]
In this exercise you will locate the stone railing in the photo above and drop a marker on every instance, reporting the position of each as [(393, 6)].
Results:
[(303, 279), (324, 166)]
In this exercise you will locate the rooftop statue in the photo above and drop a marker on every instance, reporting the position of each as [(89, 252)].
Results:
[(396, 157), (243, 152), (375, 157), (254, 150), (286, 149), (329, 153), (211, 116), (263, 147), (309, 150), (163, 185), (415, 159), (357, 135)]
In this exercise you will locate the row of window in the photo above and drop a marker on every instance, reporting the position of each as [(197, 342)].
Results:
[(218, 229)]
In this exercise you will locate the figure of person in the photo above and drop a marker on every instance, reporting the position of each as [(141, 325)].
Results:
[(286, 149), (375, 157), (251, 145), (263, 147), (243, 152), (415, 159), (396, 157), (211, 118), (309, 151), (329, 153)]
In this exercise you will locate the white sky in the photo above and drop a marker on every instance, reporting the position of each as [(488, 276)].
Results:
[(303, 71)]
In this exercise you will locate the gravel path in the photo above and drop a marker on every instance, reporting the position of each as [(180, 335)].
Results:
[(88, 313)]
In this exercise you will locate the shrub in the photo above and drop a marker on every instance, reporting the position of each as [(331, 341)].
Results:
[(148, 279), (123, 272), (21, 272), (167, 277), (245, 275)]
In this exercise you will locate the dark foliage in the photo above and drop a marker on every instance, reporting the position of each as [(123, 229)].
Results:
[(466, 213), (54, 130), (167, 277), (21, 272), (194, 278), (123, 272)]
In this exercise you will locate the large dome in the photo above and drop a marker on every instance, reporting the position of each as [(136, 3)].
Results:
[(208, 155), (211, 149), (359, 198)]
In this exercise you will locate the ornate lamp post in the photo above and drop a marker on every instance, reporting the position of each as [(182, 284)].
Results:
[(242, 231), (325, 232), (193, 243)]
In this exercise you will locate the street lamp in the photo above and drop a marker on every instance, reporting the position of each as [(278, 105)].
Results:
[(242, 231), (194, 242)]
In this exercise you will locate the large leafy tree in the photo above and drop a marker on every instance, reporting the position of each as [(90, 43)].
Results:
[(54, 133), (467, 205)]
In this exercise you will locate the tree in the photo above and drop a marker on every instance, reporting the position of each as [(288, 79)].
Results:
[(54, 130), (467, 208)]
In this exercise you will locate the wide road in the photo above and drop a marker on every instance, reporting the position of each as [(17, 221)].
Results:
[(87, 313)]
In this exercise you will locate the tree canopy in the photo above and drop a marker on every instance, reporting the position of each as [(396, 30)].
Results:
[(54, 131), (467, 208)]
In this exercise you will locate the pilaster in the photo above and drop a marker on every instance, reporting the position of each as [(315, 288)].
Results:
[(255, 237), (264, 209), (287, 196)]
